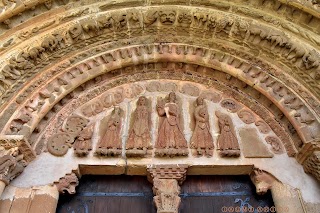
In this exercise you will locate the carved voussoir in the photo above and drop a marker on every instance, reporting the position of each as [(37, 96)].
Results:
[(68, 184)]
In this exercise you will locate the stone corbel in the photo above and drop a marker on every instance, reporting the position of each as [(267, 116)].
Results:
[(285, 197), (166, 180), (68, 184), (309, 158), (15, 154)]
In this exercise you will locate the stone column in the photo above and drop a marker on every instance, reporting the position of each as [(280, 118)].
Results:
[(166, 180), (285, 198)]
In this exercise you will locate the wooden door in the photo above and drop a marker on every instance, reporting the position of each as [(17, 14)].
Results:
[(215, 194), (133, 194), (109, 194)]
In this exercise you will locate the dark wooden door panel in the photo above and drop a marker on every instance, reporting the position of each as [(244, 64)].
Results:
[(215, 194), (109, 194)]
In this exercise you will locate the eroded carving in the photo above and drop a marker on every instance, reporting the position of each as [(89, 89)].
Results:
[(68, 184), (59, 144), (139, 136), (263, 127), (12, 165), (230, 104), (246, 116), (110, 144), (227, 140), (170, 139), (262, 180), (83, 144), (275, 144), (201, 139)]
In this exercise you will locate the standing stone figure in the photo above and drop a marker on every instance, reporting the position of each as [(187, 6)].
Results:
[(170, 140), (139, 136), (110, 144), (201, 139), (227, 141), (83, 145)]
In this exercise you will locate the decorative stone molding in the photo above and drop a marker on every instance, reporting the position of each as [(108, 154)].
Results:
[(309, 157), (68, 184), (166, 180)]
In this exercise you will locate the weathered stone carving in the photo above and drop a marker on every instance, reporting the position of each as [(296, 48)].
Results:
[(165, 179), (83, 144), (139, 139), (230, 104), (75, 124), (170, 139), (227, 140), (263, 127), (211, 96), (262, 180), (201, 139), (110, 144), (59, 143), (190, 89), (167, 17), (68, 184), (275, 144), (166, 195), (246, 116), (12, 165)]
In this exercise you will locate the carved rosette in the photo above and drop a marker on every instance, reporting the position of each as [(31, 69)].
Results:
[(68, 184), (166, 180)]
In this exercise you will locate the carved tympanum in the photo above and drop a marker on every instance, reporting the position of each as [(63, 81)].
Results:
[(201, 139), (139, 136), (227, 141), (68, 184), (83, 144), (170, 139), (110, 144), (12, 164)]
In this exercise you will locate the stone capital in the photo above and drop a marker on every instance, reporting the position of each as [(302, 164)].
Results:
[(175, 171)]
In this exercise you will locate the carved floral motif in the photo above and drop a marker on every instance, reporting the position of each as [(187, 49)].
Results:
[(275, 144), (246, 116)]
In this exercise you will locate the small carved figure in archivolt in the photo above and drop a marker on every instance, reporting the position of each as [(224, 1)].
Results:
[(110, 143), (170, 140), (227, 141), (83, 145), (201, 139), (139, 136)]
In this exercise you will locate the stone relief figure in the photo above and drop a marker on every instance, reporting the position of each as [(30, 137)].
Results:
[(139, 136), (83, 145), (170, 140), (11, 165), (201, 139), (110, 143), (227, 141)]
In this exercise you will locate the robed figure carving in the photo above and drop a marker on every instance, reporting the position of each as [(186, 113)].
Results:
[(139, 135), (170, 141), (201, 140), (227, 141), (110, 143), (83, 144)]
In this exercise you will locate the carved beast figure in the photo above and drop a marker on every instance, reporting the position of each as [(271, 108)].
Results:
[(68, 184), (262, 180)]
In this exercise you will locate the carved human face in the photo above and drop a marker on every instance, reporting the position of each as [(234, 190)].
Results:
[(200, 101), (167, 17), (142, 101), (172, 97)]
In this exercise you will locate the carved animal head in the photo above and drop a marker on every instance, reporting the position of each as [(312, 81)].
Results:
[(68, 184), (167, 17), (75, 31), (262, 180)]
